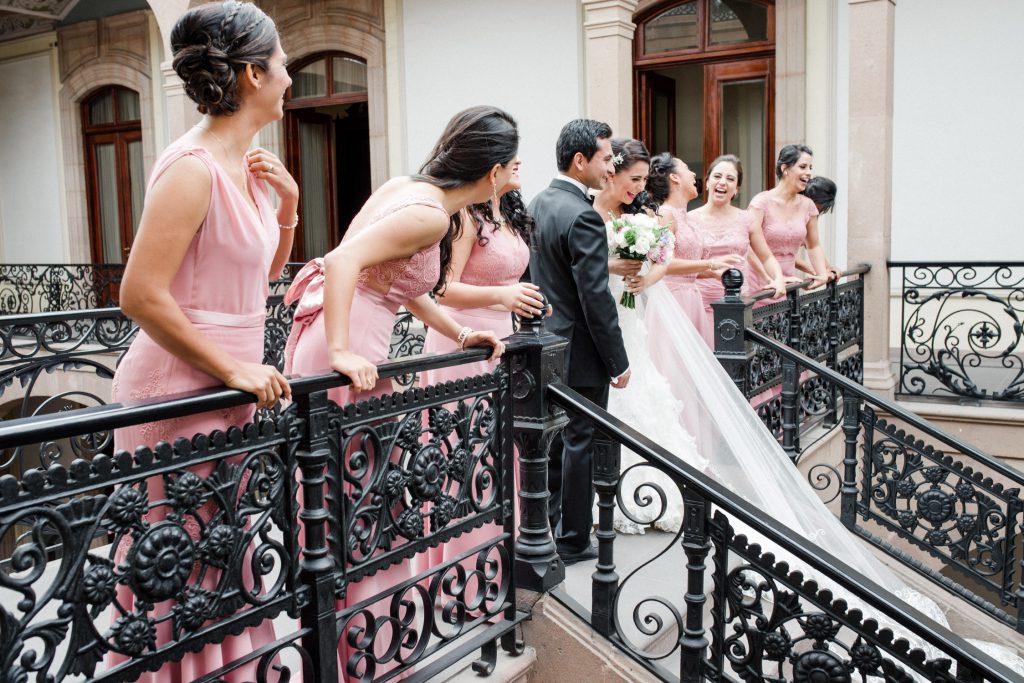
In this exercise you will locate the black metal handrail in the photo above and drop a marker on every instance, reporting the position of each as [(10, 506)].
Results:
[(964, 509), (827, 324), (962, 337), (319, 551), (822, 611)]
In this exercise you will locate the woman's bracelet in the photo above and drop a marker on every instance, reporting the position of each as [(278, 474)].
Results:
[(294, 223), (463, 336)]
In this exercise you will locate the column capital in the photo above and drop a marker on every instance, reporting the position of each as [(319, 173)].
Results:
[(609, 18)]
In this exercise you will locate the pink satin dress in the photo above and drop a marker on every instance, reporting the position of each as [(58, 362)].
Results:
[(785, 231), (500, 261), (370, 324), (222, 287), (721, 237), (690, 247)]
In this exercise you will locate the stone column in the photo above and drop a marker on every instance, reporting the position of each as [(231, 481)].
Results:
[(870, 191), (790, 72), (608, 31)]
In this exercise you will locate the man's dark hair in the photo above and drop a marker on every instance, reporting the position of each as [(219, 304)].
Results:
[(579, 135)]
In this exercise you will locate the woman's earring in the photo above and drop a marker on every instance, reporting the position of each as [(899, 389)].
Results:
[(494, 195)]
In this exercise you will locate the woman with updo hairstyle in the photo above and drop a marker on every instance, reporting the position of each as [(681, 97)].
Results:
[(789, 219), (632, 162), (671, 184), (210, 239), (821, 191), (396, 252)]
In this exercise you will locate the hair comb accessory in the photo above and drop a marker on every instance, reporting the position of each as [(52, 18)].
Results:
[(618, 159)]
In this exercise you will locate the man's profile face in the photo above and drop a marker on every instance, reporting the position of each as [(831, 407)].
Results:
[(597, 169)]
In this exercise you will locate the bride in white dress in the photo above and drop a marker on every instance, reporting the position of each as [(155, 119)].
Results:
[(732, 444)]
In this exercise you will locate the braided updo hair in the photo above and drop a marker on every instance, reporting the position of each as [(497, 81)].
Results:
[(658, 186), (212, 44)]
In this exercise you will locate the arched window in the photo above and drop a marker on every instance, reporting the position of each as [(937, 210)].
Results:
[(114, 176), (328, 151), (705, 72)]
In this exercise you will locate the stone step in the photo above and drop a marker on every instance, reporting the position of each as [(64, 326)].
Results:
[(507, 669)]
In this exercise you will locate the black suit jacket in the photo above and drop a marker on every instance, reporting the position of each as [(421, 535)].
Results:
[(569, 262)]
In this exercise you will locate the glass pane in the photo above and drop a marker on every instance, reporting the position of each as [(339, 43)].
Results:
[(101, 109), (348, 75), (106, 180), (137, 181), (127, 105), (738, 21), (743, 132), (674, 29), (310, 81), (312, 148)]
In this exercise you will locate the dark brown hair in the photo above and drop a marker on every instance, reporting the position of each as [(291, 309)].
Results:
[(513, 210), (212, 44), (472, 143), (730, 158), (662, 166)]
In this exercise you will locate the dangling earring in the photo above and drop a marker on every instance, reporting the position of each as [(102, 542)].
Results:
[(499, 220)]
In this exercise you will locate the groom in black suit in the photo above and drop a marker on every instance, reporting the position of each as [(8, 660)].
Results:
[(569, 262)]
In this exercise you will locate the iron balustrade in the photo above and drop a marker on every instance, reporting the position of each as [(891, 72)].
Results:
[(759, 605), (51, 287), (827, 325), (961, 330), (937, 493), (284, 515)]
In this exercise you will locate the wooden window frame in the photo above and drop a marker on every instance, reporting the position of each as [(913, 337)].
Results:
[(293, 153), (120, 134), (740, 61), (704, 49)]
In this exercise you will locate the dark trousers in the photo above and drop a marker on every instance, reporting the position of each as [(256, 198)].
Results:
[(571, 478)]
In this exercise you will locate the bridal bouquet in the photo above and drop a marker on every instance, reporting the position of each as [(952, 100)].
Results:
[(639, 237)]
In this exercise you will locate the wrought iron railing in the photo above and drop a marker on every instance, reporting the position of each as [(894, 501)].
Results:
[(827, 325), (51, 287), (962, 330), (939, 495), (286, 515), (761, 604)]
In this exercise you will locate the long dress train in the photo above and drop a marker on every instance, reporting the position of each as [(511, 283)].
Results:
[(732, 444)]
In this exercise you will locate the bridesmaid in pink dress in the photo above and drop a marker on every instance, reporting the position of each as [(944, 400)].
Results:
[(484, 290), (789, 219), (196, 282), (727, 229), (672, 185), (396, 251)]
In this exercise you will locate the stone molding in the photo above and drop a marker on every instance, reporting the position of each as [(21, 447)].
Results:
[(353, 26), (92, 54)]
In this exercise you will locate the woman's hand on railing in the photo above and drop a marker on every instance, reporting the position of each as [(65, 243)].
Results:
[(362, 372), (486, 338), (523, 299), (265, 381), (779, 285)]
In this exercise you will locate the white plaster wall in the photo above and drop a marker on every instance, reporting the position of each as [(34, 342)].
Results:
[(957, 146), (525, 57), (30, 196)]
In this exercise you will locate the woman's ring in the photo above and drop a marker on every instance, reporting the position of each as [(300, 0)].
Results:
[(270, 167)]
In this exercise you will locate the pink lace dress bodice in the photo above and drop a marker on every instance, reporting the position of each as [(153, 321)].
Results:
[(689, 244), (721, 236), (500, 260), (784, 228)]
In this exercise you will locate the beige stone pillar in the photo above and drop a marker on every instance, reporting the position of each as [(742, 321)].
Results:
[(179, 111), (870, 213), (790, 72), (608, 31)]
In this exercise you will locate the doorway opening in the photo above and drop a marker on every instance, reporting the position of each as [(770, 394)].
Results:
[(705, 72)]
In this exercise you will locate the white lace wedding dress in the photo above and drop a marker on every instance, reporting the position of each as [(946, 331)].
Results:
[(680, 397)]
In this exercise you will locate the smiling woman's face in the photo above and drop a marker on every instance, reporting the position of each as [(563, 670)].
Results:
[(627, 183), (723, 182)]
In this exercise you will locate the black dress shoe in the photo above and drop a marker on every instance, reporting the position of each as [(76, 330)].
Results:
[(571, 557)]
